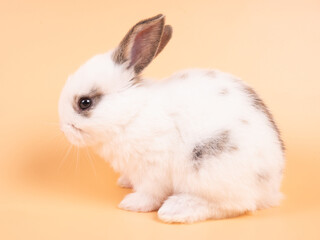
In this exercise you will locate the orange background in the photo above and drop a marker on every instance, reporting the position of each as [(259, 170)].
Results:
[(273, 45)]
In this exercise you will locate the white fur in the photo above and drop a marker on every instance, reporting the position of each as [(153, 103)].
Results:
[(148, 131)]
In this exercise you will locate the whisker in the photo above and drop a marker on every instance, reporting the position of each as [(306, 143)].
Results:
[(91, 162), (77, 160), (53, 123), (50, 124), (55, 136), (65, 157)]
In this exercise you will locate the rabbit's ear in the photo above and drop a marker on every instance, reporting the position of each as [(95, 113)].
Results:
[(166, 36), (142, 43)]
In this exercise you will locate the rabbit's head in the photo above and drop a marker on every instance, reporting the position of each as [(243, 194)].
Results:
[(91, 98)]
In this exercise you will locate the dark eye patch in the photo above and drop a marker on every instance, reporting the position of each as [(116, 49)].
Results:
[(84, 104)]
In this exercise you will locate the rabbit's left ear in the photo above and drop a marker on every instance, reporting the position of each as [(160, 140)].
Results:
[(143, 42)]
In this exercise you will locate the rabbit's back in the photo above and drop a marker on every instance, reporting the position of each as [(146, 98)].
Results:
[(227, 144)]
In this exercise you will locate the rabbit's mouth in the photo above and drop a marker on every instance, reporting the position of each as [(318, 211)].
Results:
[(76, 128), (74, 134)]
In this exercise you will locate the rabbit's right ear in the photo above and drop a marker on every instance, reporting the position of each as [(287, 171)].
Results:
[(142, 43)]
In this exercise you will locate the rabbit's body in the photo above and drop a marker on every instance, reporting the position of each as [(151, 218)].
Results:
[(232, 159), (199, 144)]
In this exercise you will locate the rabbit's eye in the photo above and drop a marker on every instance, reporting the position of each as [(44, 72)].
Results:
[(85, 103)]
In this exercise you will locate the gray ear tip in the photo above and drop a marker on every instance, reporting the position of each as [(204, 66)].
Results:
[(168, 31), (160, 16), (168, 28)]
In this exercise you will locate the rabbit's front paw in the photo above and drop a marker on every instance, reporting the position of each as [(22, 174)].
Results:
[(124, 182), (139, 202), (184, 208)]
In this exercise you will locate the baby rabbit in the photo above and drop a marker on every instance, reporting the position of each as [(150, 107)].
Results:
[(197, 145)]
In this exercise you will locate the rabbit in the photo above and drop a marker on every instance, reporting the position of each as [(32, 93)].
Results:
[(197, 145)]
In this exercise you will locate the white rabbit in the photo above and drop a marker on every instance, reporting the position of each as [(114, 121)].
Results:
[(200, 144)]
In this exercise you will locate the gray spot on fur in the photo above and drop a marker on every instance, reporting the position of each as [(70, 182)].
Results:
[(183, 76), (263, 177), (259, 105), (281, 172), (211, 74), (224, 91), (233, 148), (213, 146), (244, 121)]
